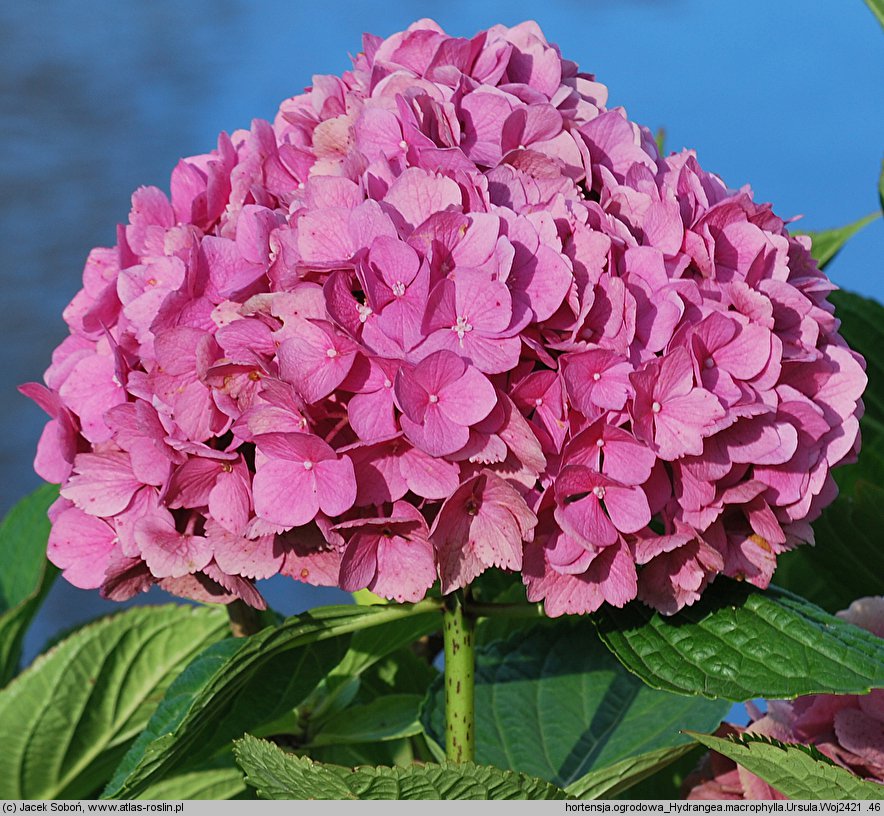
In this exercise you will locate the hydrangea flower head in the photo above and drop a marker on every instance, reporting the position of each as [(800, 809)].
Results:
[(447, 312)]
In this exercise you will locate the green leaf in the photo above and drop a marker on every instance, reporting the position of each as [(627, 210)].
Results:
[(665, 782), (25, 574), (862, 326), (402, 672), (828, 243), (660, 139), (218, 780), (554, 703), (613, 779), (278, 775), (68, 719), (386, 718), (239, 685), (797, 771), (375, 642), (394, 752), (847, 561), (739, 643), (877, 8)]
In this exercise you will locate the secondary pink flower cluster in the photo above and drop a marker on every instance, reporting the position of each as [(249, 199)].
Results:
[(849, 729), (446, 312)]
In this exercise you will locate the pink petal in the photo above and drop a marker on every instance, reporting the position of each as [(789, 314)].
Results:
[(436, 435), (83, 546), (627, 508), (103, 483), (416, 195), (237, 555), (683, 421), (335, 485), (168, 553), (285, 493), (468, 400), (314, 359)]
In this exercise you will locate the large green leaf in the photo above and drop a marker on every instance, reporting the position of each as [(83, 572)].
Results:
[(623, 775), (828, 243), (797, 771), (386, 718), (665, 782), (240, 685), (278, 775), (739, 643), (68, 719), (219, 780), (25, 574), (554, 703)]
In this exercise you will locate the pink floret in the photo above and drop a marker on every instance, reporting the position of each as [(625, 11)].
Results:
[(446, 312)]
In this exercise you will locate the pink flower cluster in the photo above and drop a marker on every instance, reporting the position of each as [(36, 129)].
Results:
[(849, 729), (447, 312)]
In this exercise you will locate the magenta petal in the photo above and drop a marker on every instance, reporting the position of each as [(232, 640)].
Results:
[(314, 359), (683, 421), (406, 569), (359, 566), (285, 493), (427, 476), (627, 507), (585, 519), (230, 501), (335, 485), (168, 553), (469, 399), (437, 435), (371, 415), (237, 555)]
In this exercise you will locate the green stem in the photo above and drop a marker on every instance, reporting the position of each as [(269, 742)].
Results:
[(504, 610), (460, 664)]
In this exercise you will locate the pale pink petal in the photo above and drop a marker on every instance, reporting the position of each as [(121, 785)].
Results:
[(103, 483), (83, 547), (168, 553), (285, 493)]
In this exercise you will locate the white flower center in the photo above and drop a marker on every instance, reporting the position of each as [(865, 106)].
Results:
[(600, 443), (308, 465), (461, 327), (398, 288), (538, 402), (364, 312), (434, 398), (656, 407), (599, 492), (331, 352), (403, 144), (596, 376), (388, 384)]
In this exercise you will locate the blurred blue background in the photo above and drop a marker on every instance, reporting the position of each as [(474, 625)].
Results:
[(98, 98)]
